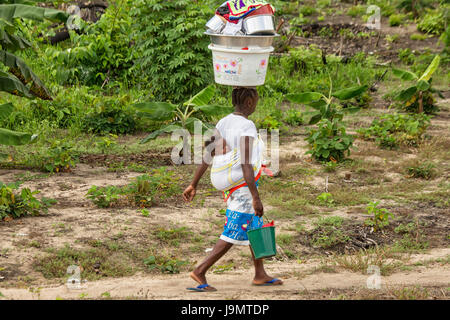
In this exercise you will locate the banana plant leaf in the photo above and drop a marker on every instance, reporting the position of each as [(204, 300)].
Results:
[(305, 97), (9, 12), (11, 84), (20, 69), (14, 138), (157, 111), (203, 97), (349, 93), (406, 94), (431, 68), (423, 85), (190, 124), (166, 129), (404, 74), (13, 42), (214, 109)]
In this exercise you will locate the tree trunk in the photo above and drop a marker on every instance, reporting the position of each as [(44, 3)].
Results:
[(420, 102)]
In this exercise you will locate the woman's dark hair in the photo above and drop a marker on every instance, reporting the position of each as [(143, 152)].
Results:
[(240, 95)]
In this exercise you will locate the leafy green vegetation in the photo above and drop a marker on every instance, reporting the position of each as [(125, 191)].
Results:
[(15, 204), (184, 116), (330, 141), (418, 95), (392, 130), (145, 190), (173, 52), (327, 232), (380, 216)]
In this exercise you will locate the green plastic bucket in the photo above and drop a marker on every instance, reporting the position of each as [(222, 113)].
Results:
[(262, 242)]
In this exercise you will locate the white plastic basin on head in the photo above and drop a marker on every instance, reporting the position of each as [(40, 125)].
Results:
[(244, 67)]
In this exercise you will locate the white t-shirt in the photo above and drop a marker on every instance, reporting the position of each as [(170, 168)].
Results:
[(233, 127)]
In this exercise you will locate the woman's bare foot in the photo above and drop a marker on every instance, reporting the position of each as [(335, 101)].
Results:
[(201, 279)]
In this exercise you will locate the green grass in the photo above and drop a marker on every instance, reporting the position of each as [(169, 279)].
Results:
[(111, 263)]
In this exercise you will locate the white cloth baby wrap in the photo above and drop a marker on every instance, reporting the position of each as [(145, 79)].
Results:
[(226, 170)]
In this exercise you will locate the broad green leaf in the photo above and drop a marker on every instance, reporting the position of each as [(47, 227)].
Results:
[(431, 68), (5, 110), (190, 124), (22, 72), (11, 41), (406, 94), (423, 85), (203, 97), (14, 138), (166, 129), (316, 118), (318, 104), (11, 84), (214, 110), (349, 93), (157, 111), (9, 12), (404, 74), (305, 97)]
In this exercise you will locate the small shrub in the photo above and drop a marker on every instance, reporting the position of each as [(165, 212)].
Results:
[(424, 170), (433, 22), (392, 130), (329, 141), (380, 216), (145, 191), (396, 20), (270, 123), (326, 199), (18, 204), (307, 11), (173, 236), (293, 117), (104, 197), (327, 232), (356, 11), (418, 37), (109, 117), (406, 56), (59, 157), (164, 264)]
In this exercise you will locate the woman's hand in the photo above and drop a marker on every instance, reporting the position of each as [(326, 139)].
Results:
[(189, 193), (258, 206)]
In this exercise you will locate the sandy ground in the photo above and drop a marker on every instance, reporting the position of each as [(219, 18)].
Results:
[(237, 284)]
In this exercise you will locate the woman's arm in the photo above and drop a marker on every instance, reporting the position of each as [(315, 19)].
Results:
[(249, 175)]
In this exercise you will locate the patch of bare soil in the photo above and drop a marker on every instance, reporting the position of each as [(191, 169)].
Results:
[(149, 159), (341, 35)]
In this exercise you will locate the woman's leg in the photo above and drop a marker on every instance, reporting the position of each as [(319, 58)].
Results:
[(218, 251), (260, 274)]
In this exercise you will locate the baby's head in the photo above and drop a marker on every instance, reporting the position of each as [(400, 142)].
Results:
[(245, 100)]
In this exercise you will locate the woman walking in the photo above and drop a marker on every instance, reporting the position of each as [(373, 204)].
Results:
[(236, 168)]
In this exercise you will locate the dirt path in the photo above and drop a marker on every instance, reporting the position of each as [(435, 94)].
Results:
[(236, 284)]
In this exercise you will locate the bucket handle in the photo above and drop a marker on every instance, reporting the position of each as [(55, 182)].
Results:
[(249, 225)]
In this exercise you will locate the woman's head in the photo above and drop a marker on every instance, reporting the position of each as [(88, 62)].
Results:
[(245, 100)]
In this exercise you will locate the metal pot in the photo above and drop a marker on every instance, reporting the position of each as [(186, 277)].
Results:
[(241, 41), (215, 24), (259, 24)]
